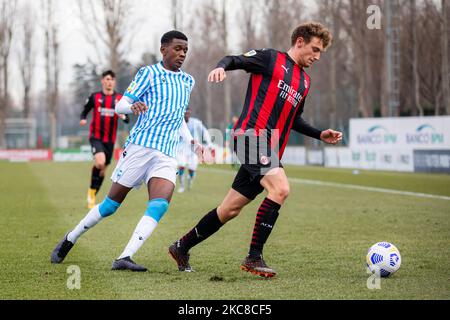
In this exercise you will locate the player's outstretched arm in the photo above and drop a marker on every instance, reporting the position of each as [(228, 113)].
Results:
[(217, 75), (331, 136), (126, 105), (303, 127), (328, 136), (255, 61)]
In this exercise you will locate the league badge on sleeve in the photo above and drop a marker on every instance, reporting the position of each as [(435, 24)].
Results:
[(250, 54), (132, 86)]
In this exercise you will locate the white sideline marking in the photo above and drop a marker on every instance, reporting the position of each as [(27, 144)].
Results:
[(348, 186)]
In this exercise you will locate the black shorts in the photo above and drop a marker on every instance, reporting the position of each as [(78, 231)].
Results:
[(256, 162), (107, 148)]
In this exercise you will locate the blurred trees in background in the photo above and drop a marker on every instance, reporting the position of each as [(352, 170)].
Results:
[(358, 57), (351, 78), (52, 56), (7, 33), (349, 81)]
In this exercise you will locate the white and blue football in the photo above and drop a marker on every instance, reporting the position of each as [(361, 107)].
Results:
[(383, 258)]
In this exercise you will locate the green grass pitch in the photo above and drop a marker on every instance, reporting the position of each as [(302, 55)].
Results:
[(318, 246)]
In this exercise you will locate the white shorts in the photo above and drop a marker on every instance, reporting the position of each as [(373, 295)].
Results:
[(137, 165), (187, 159)]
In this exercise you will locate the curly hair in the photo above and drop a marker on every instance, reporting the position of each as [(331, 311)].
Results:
[(312, 29)]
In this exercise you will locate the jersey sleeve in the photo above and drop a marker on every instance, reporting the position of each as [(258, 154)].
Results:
[(89, 105), (255, 61), (139, 85), (302, 126)]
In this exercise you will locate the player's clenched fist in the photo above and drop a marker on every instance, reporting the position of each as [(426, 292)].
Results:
[(139, 108), (217, 75)]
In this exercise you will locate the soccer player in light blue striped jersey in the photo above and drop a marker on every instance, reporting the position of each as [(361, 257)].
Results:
[(160, 95)]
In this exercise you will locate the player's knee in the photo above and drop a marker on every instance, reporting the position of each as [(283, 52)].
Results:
[(103, 171), (234, 212), (108, 207), (286, 191), (100, 166), (281, 193), (157, 208), (181, 171)]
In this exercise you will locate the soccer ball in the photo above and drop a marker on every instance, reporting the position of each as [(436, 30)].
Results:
[(383, 258)]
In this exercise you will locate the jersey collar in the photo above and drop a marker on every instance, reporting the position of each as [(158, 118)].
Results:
[(161, 65), (292, 60)]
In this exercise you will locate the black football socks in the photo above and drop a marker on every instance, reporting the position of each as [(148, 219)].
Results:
[(206, 227), (96, 179), (265, 220)]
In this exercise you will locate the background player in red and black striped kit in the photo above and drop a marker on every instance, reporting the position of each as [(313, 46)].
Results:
[(273, 106), (103, 130)]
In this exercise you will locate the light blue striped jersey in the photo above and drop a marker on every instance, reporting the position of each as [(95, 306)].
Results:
[(167, 94)]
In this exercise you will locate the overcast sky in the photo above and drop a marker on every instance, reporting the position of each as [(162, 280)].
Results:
[(153, 17)]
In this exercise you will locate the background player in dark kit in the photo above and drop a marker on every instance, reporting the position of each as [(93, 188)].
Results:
[(103, 130)]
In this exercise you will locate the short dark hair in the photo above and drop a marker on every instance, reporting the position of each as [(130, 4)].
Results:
[(312, 29), (109, 73), (169, 36)]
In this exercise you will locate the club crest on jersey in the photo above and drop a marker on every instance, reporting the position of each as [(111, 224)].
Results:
[(163, 79), (264, 160), (250, 54)]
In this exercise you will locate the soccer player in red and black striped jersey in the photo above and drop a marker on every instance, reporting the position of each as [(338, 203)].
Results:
[(273, 107), (103, 130)]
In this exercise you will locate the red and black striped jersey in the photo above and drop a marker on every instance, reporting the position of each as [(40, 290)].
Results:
[(104, 118), (275, 96)]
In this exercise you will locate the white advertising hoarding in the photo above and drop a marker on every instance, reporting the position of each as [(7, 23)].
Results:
[(294, 156), (370, 159), (405, 133)]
